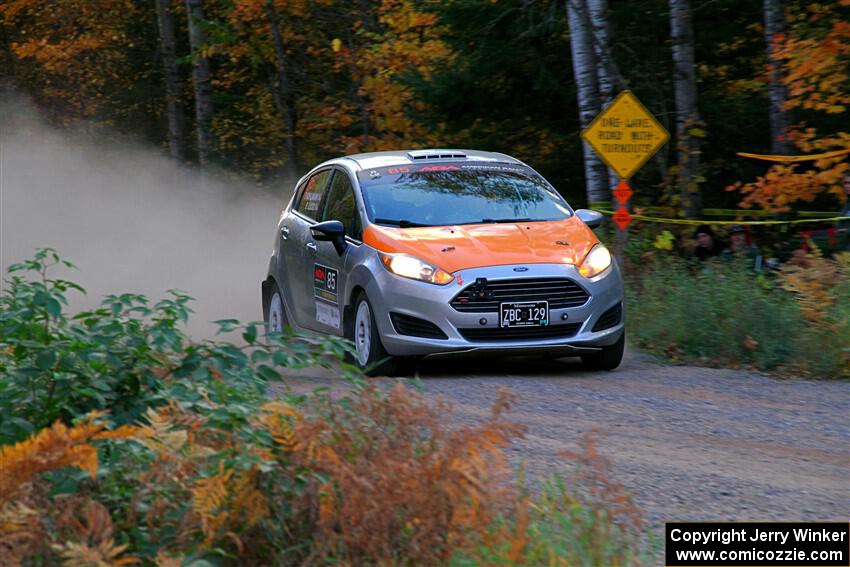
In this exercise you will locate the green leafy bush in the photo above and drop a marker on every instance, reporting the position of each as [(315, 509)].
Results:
[(124, 356), (720, 312)]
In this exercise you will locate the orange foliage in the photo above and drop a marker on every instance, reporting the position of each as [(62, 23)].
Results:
[(816, 68), (409, 42), (79, 48), (400, 484), (54, 448)]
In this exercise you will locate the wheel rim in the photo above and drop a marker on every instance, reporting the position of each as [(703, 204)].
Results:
[(363, 333), (276, 314)]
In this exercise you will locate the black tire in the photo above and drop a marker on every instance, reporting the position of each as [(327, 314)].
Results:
[(608, 358), (271, 315), (378, 362)]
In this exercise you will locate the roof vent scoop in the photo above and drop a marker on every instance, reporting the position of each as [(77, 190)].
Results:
[(435, 154)]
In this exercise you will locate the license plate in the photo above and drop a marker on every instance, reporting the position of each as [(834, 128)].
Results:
[(528, 314)]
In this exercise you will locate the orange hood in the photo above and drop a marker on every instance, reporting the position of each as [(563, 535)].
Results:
[(460, 247)]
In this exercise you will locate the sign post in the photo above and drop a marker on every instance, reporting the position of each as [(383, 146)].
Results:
[(624, 136)]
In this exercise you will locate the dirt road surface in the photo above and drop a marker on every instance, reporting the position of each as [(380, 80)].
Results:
[(689, 443)]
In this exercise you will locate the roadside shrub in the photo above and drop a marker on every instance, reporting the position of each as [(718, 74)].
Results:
[(722, 313), (200, 467), (821, 287), (124, 356)]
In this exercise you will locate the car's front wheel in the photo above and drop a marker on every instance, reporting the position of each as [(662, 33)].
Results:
[(275, 314), (370, 354), (608, 358)]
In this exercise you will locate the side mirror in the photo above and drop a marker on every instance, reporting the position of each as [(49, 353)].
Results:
[(590, 218), (330, 231)]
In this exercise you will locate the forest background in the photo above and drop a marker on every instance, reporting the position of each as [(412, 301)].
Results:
[(268, 88)]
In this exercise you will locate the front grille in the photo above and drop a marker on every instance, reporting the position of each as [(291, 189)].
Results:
[(559, 292), (485, 334), (416, 327), (610, 318)]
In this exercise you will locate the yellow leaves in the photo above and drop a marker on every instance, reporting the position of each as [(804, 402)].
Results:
[(664, 241), (209, 496), (227, 501), (104, 554), (279, 419), (336, 45), (811, 277), (51, 448)]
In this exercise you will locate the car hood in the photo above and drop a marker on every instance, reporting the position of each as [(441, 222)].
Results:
[(461, 247)]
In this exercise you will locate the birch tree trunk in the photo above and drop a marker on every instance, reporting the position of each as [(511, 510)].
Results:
[(605, 68), (200, 79), (173, 87), (285, 95), (687, 115), (774, 23), (587, 84)]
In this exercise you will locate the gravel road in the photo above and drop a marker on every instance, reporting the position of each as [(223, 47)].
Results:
[(689, 443)]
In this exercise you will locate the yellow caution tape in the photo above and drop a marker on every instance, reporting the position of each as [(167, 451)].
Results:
[(698, 222), (793, 159), (606, 205)]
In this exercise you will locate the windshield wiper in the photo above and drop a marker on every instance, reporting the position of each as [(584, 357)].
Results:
[(401, 223), (488, 221)]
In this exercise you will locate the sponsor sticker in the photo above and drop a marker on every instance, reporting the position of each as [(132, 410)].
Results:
[(327, 314), (324, 283), (325, 280)]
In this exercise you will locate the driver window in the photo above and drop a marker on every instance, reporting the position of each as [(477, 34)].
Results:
[(311, 195), (341, 205)]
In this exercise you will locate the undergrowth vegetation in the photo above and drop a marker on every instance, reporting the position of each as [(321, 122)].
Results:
[(124, 442), (722, 313)]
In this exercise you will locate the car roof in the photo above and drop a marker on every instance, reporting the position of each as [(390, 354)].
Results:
[(403, 157)]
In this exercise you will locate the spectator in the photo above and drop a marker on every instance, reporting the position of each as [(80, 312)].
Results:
[(741, 245), (707, 243)]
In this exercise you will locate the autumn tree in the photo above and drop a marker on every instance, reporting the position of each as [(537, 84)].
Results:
[(585, 69), (688, 132), (284, 94), (201, 79), (816, 66), (173, 85), (73, 53), (774, 29)]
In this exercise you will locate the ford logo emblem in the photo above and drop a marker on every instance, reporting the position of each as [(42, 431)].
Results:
[(521, 269)]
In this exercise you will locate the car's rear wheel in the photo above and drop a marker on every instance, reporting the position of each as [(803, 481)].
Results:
[(370, 354), (275, 315), (608, 358)]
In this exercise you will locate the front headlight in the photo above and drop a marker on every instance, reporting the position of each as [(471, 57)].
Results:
[(596, 262), (414, 268)]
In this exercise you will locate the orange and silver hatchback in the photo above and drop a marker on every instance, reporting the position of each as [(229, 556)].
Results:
[(443, 252)]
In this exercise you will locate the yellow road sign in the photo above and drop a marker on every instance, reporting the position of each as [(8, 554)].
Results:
[(625, 135)]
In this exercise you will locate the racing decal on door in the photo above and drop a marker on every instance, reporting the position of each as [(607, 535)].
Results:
[(325, 292)]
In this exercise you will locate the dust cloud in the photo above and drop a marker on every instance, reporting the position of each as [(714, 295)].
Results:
[(132, 220)]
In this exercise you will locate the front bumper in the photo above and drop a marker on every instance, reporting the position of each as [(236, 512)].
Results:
[(391, 293)]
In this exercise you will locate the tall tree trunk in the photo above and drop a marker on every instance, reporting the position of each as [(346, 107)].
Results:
[(173, 88), (687, 115), (605, 68), (355, 91), (201, 80), (286, 95), (774, 23), (587, 84)]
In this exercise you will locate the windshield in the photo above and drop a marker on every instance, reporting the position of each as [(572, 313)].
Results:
[(450, 194)]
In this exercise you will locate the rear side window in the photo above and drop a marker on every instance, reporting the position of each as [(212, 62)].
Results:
[(311, 195), (342, 206)]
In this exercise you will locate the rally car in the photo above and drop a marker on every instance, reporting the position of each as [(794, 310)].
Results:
[(443, 253)]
